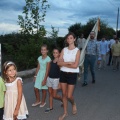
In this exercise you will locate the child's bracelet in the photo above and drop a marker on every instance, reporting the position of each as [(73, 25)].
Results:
[(34, 76)]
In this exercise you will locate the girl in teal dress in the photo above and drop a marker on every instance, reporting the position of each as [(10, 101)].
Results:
[(40, 77)]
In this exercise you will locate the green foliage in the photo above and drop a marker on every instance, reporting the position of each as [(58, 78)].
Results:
[(61, 42), (34, 13), (76, 29), (88, 27), (118, 34), (24, 54), (28, 54), (105, 30), (24, 48), (54, 35)]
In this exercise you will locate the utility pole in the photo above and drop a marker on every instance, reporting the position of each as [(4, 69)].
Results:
[(117, 21)]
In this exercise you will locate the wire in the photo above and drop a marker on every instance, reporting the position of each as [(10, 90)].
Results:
[(112, 3)]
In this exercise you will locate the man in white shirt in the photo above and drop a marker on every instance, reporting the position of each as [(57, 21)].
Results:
[(112, 41), (103, 51), (81, 42)]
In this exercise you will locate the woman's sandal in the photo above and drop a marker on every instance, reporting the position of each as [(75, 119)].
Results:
[(62, 117), (42, 105), (35, 104), (74, 109)]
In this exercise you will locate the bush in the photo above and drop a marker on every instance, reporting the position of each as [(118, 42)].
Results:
[(24, 51), (23, 54)]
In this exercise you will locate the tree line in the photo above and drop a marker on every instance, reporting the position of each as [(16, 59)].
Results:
[(24, 47)]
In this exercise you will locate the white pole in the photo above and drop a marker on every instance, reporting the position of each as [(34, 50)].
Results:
[(117, 22)]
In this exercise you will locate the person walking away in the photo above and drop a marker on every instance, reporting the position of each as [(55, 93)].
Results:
[(116, 54), (40, 77), (81, 43), (92, 50), (103, 51)]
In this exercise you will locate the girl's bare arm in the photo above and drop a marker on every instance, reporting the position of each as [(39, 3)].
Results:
[(61, 61), (46, 74), (76, 63), (19, 99), (37, 69)]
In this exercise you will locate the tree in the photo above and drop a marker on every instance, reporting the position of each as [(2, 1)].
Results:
[(34, 13), (105, 29), (54, 35), (24, 49), (88, 26), (23, 54), (76, 29), (118, 33)]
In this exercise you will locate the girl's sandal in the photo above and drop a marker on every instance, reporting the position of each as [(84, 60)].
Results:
[(35, 104), (62, 117), (74, 109)]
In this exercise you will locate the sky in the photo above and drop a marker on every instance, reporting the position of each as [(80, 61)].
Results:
[(61, 14)]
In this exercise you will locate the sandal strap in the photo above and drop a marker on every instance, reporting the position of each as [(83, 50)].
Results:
[(62, 117)]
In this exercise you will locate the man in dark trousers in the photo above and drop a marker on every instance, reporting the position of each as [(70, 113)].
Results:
[(92, 50)]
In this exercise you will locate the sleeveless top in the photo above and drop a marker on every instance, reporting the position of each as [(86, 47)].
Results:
[(54, 70), (69, 56)]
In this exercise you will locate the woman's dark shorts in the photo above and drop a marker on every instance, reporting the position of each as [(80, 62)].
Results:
[(68, 77)]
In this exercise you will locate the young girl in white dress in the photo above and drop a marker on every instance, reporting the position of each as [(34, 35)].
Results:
[(15, 106)]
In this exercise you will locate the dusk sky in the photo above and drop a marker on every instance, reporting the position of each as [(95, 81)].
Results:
[(61, 14)]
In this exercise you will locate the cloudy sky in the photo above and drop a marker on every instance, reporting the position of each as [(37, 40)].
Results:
[(61, 14)]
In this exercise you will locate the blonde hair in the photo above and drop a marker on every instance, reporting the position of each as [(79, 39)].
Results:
[(6, 66)]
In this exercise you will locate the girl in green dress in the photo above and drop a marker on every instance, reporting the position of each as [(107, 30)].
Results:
[(2, 92), (40, 77)]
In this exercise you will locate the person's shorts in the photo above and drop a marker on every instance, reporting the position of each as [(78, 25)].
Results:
[(53, 82), (68, 77), (1, 113)]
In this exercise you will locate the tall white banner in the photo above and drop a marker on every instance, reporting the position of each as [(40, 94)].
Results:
[(96, 28)]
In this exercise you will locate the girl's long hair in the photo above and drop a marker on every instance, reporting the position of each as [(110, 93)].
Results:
[(70, 33)]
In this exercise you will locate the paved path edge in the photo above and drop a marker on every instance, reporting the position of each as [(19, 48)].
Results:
[(27, 73)]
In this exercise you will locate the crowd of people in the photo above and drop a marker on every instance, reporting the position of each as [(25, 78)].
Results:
[(99, 50), (60, 73)]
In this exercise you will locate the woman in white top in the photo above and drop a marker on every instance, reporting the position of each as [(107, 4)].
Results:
[(68, 61)]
